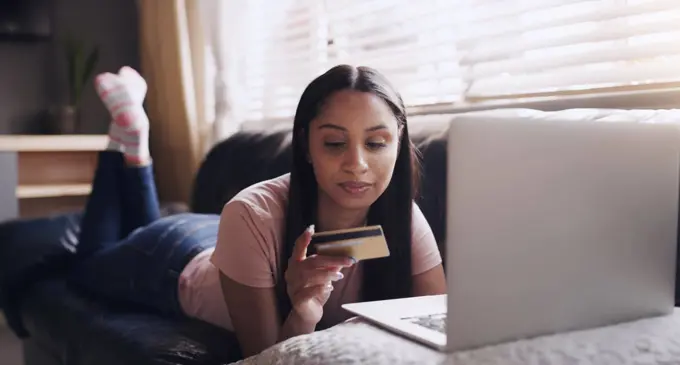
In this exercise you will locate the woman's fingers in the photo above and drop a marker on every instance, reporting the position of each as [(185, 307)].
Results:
[(321, 261), (322, 292), (315, 277), (301, 244), (315, 270), (310, 277), (320, 277)]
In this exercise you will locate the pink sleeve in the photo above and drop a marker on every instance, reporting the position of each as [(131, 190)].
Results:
[(425, 254), (242, 252)]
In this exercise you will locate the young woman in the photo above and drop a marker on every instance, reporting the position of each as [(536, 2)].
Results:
[(248, 270)]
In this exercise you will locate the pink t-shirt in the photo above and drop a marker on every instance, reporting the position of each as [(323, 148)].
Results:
[(249, 248)]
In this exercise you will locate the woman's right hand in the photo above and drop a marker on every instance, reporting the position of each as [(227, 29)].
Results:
[(309, 279)]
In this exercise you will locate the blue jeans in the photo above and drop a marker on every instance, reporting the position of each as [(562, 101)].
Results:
[(126, 252)]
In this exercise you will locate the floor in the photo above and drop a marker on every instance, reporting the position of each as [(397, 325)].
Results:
[(10, 348)]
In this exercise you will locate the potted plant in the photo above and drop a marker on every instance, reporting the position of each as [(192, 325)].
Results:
[(80, 64)]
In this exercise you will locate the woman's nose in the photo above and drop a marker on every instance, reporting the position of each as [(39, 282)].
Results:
[(355, 160)]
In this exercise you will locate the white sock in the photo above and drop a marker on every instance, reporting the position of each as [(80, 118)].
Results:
[(114, 142), (123, 95)]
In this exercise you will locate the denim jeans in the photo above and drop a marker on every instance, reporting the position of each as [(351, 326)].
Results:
[(126, 251)]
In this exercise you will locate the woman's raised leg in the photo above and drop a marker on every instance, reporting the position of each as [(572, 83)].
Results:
[(123, 95), (123, 196), (101, 223)]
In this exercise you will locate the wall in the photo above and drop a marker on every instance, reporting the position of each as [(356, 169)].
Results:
[(33, 75)]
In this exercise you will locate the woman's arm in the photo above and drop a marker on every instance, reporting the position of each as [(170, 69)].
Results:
[(430, 282), (254, 314), (245, 255), (428, 272)]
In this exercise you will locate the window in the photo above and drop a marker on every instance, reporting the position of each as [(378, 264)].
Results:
[(463, 51), (526, 47), (412, 43), (287, 48)]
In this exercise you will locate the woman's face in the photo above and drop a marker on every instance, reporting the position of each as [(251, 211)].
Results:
[(353, 147)]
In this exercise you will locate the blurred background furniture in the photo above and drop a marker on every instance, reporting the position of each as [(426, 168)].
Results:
[(46, 174)]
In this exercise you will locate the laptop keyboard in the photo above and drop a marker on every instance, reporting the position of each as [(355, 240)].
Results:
[(436, 322)]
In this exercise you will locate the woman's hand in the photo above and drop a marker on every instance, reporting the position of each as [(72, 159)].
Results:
[(309, 279)]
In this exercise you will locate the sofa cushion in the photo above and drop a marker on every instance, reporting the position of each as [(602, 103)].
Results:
[(83, 330), (238, 162), (78, 329), (37, 248), (31, 250)]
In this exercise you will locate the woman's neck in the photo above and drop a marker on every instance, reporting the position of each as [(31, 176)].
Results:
[(330, 216)]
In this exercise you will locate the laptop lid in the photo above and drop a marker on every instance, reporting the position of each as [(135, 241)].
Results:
[(555, 226)]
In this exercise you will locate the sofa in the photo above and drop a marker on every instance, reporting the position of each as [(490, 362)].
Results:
[(61, 325)]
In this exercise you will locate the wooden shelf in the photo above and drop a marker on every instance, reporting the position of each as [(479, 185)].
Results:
[(46, 174), (53, 143), (52, 191)]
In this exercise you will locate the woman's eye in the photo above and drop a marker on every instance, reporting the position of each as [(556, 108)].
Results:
[(334, 144), (376, 145)]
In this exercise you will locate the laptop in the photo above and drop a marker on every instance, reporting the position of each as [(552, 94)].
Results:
[(552, 226)]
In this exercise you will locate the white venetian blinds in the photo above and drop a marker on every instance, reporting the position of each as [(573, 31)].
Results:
[(412, 42), (511, 47), (286, 49), (443, 51)]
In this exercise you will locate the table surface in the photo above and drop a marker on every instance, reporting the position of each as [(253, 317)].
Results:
[(646, 341)]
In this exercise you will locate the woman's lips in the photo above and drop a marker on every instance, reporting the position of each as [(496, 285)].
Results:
[(355, 187)]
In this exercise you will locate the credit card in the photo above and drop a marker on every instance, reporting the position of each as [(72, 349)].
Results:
[(362, 243)]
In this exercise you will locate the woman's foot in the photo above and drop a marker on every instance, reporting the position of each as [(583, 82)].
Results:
[(123, 95)]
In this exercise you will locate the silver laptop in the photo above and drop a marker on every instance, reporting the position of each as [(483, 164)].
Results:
[(552, 226)]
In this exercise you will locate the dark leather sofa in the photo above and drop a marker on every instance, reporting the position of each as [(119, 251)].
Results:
[(62, 325)]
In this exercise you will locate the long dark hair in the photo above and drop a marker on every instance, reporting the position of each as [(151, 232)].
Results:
[(386, 278)]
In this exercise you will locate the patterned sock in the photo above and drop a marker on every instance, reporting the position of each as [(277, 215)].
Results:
[(123, 95)]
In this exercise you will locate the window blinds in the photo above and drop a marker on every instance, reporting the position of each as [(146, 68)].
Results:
[(524, 47), (412, 43), (286, 50), (448, 51)]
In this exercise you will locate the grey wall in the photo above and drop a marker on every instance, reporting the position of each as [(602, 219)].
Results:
[(9, 208), (33, 76)]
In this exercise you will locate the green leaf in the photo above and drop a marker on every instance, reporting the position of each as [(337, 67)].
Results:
[(90, 64), (81, 63), (76, 81), (69, 49)]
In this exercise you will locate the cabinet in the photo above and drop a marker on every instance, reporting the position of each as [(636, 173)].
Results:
[(44, 175)]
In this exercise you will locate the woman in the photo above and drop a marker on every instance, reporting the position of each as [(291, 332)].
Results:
[(353, 165)]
